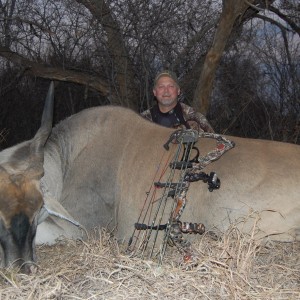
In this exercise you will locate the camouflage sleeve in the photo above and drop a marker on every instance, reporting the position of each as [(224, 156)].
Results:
[(196, 119), (147, 115)]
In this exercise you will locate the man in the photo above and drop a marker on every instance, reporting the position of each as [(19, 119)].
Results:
[(168, 111)]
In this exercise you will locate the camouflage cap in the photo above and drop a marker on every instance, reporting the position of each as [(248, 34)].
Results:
[(167, 73)]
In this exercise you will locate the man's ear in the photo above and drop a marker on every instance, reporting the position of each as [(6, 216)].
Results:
[(178, 92), (154, 92)]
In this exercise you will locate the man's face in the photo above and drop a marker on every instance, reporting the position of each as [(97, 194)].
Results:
[(166, 92)]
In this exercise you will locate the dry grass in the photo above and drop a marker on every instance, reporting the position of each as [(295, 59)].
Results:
[(231, 267)]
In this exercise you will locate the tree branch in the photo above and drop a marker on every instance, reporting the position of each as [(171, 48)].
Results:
[(43, 71), (285, 18)]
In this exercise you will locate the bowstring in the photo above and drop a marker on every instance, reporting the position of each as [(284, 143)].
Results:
[(152, 193)]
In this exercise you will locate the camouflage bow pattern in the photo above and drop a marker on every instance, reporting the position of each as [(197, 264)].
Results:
[(189, 171)]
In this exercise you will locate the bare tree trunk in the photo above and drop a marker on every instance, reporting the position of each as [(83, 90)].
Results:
[(128, 94), (232, 9)]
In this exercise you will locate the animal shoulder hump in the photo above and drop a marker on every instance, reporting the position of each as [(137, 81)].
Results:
[(107, 114)]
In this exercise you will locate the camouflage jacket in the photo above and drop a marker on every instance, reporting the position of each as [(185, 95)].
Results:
[(194, 119)]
